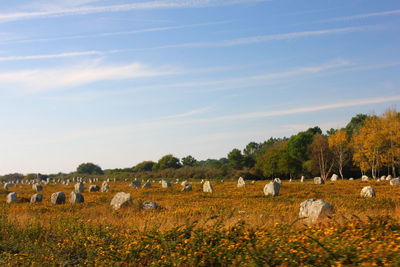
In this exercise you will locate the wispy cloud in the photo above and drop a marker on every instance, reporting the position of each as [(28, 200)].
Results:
[(267, 38), (51, 56), (367, 15), (109, 34), (83, 10), (39, 80)]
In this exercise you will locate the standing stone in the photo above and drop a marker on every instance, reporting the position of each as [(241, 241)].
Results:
[(272, 189), (120, 200), (11, 197), (136, 184), (94, 188), (207, 187), (8, 185), (334, 177), (37, 187), (314, 209), (79, 187), (389, 177), (241, 182), (165, 184), (186, 188), (146, 184), (105, 187), (364, 178), (351, 179), (302, 179), (368, 191), (383, 178), (319, 180), (149, 206), (58, 198), (36, 198), (395, 181), (184, 183), (278, 180), (75, 198)]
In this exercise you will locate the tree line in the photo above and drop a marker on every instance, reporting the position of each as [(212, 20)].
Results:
[(367, 145)]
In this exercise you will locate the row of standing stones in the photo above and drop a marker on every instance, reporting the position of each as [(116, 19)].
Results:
[(311, 210)]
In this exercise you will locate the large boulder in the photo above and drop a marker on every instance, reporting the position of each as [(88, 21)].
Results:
[(207, 187), (241, 182), (75, 198), (79, 187), (37, 187), (36, 198), (58, 198), (319, 180), (395, 181), (105, 187), (165, 184), (313, 210), (120, 200), (136, 184), (11, 197), (94, 188), (272, 189), (368, 191)]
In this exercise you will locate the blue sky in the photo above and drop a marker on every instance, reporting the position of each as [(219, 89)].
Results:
[(119, 82)]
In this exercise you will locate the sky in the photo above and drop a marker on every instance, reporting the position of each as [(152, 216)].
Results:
[(116, 82)]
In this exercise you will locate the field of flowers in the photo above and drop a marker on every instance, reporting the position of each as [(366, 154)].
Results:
[(233, 226)]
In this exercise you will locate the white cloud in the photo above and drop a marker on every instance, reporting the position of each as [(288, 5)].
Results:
[(39, 80), (52, 56), (82, 10), (367, 15)]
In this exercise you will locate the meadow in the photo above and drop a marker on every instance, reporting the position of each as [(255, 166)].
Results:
[(233, 226)]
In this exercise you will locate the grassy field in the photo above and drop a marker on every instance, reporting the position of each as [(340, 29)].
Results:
[(233, 226)]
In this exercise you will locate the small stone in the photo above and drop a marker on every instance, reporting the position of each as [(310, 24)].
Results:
[(241, 182), (186, 188), (278, 180), (120, 200), (364, 178), (79, 187), (146, 184), (165, 184), (136, 184), (368, 191), (8, 186), (36, 198), (395, 181), (319, 180), (207, 187), (58, 198), (105, 187), (149, 206), (272, 189), (11, 197), (75, 198), (37, 187), (334, 177), (94, 188)]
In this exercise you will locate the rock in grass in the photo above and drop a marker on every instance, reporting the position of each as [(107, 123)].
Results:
[(94, 188), (79, 187), (302, 179), (149, 206), (184, 183), (105, 187), (272, 189), (334, 177), (146, 184), (37, 187), (136, 184), (186, 188), (278, 180), (11, 197), (75, 198), (241, 182), (165, 184), (313, 210), (319, 180), (8, 186), (368, 191), (36, 198), (58, 198), (364, 178), (395, 181), (120, 200), (207, 187)]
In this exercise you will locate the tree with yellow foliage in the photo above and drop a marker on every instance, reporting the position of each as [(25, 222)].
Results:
[(339, 145), (391, 134)]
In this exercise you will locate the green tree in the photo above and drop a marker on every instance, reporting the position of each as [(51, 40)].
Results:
[(144, 166), (236, 159), (167, 162), (89, 168), (355, 123), (189, 161)]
